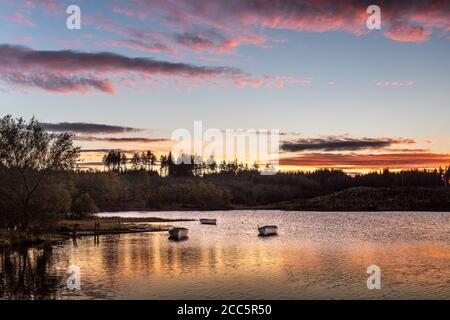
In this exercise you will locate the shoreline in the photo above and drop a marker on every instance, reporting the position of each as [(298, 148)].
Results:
[(113, 225), (361, 199), (269, 208), (367, 199), (85, 227)]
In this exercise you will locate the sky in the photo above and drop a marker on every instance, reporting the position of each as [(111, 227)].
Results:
[(342, 96)]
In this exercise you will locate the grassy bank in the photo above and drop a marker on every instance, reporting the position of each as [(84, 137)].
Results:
[(16, 238), (63, 229), (374, 199)]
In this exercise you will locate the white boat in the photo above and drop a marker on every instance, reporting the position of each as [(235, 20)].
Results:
[(178, 233), (268, 230), (208, 221)]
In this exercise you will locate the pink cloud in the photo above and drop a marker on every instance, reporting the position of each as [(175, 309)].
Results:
[(130, 12), (394, 83), (47, 6), (105, 24), (88, 36), (65, 71), (72, 43), (411, 21), (135, 45), (195, 39), (217, 43), (269, 81), (23, 39), (408, 33), (74, 71), (403, 159), (18, 18)]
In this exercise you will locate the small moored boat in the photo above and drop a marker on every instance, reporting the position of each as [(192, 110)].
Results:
[(208, 221), (178, 233), (268, 230)]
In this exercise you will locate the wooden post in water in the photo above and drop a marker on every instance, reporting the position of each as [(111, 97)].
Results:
[(74, 231), (97, 232), (74, 234)]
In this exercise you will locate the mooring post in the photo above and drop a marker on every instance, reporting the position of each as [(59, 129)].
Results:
[(97, 232), (75, 229), (74, 234)]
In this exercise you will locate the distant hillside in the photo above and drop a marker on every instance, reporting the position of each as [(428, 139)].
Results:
[(375, 199)]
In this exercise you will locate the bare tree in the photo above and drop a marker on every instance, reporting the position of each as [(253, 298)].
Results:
[(123, 161), (145, 161), (211, 164), (28, 155), (152, 159), (136, 162), (445, 175), (163, 165)]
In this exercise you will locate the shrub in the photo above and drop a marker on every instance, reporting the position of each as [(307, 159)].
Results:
[(84, 206)]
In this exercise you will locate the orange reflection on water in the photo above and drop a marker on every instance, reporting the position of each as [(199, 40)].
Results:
[(148, 266), (316, 255)]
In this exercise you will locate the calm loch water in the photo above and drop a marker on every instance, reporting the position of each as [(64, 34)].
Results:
[(316, 255)]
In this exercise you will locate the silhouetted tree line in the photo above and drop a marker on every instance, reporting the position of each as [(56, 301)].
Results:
[(140, 190), (183, 166), (117, 161), (39, 182)]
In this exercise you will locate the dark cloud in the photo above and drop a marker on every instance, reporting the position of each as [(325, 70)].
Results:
[(194, 41), (89, 164), (108, 150), (56, 83), (73, 71), (340, 144), (135, 45), (97, 150), (119, 140), (216, 42), (74, 61), (87, 128)]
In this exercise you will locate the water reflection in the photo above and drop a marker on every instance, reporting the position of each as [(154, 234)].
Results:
[(315, 256), (26, 274)]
